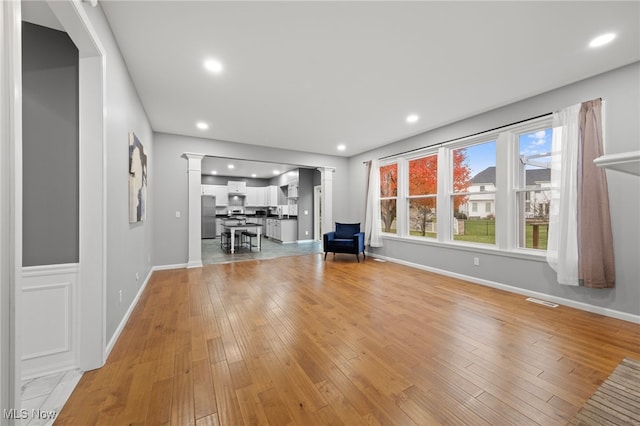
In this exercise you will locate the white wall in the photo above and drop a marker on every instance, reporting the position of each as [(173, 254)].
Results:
[(129, 246), (621, 91), (171, 185)]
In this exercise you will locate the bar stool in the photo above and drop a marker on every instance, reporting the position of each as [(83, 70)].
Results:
[(225, 241), (248, 235)]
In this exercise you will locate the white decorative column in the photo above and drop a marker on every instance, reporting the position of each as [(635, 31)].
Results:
[(326, 198), (194, 170)]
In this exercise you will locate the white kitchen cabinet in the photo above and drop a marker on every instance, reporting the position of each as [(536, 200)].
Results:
[(255, 196), (222, 197), (207, 189), (285, 230), (270, 228), (271, 196), (292, 190), (235, 187), (288, 230), (218, 227)]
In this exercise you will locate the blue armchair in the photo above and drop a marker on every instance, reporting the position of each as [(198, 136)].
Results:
[(347, 238)]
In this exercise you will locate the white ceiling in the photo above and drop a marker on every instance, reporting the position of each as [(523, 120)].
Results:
[(311, 75), (243, 168)]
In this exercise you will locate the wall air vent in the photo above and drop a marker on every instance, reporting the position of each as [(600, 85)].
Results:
[(542, 302)]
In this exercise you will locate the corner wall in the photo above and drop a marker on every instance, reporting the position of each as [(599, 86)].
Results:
[(620, 89), (129, 246)]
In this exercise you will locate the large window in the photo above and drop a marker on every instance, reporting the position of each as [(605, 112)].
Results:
[(423, 189), (474, 193), (533, 186), (389, 196), (489, 191)]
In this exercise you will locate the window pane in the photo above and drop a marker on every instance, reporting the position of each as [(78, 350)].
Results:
[(389, 180), (423, 176), (533, 219), (474, 168), (469, 226), (534, 181), (388, 215), (422, 217)]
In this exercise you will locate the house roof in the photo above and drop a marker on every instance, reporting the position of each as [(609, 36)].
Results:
[(534, 176)]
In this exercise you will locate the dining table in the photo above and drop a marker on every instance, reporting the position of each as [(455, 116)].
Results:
[(240, 225)]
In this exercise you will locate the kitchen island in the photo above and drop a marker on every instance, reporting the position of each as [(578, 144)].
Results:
[(239, 225)]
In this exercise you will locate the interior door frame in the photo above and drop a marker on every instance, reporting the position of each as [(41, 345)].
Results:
[(91, 309), (317, 212)]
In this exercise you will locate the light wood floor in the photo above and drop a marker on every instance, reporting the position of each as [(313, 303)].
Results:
[(299, 341)]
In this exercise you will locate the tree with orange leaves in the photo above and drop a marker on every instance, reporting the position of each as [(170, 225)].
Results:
[(423, 180)]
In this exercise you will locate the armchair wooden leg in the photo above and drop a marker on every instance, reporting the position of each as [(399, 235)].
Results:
[(325, 255), (358, 257)]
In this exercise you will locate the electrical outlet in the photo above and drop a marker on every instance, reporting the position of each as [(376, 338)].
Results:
[(120, 296), (137, 277), (178, 214), (476, 261)]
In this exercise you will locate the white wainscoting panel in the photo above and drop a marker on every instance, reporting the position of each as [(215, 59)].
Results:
[(48, 319)]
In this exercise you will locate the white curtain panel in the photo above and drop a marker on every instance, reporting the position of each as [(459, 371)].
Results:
[(562, 245), (372, 221)]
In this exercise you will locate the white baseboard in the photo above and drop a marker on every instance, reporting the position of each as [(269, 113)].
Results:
[(194, 265), (123, 323), (167, 267), (559, 300)]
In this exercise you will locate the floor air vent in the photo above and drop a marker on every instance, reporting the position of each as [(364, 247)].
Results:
[(542, 302)]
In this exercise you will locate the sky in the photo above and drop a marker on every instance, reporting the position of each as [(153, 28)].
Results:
[(479, 157)]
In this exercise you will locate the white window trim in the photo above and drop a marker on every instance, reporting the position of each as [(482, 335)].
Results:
[(505, 209)]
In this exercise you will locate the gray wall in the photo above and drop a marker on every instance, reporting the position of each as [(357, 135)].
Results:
[(129, 246), (170, 178), (222, 180), (305, 203), (50, 147), (621, 91)]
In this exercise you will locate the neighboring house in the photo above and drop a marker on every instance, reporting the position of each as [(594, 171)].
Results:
[(481, 202), (537, 197)]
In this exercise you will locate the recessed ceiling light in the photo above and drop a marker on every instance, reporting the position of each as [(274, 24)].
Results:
[(231, 166), (213, 65), (342, 147), (213, 172), (202, 125), (412, 118), (602, 40), (276, 172), (253, 175)]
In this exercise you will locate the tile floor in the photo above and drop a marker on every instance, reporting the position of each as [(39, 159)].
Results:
[(44, 397), (213, 253)]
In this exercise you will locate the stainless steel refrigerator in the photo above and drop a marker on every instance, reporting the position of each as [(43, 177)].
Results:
[(208, 216)]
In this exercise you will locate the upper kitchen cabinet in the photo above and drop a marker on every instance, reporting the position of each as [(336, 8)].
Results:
[(292, 190), (207, 189), (236, 187), (220, 192), (271, 196), (255, 196)]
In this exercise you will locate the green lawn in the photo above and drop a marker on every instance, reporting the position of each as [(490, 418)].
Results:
[(484, 232)]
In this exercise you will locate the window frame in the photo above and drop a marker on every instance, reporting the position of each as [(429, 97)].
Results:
[(408, 197), (396, 197), (505, 208)]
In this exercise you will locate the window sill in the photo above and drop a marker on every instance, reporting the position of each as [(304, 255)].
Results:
[(534, 255)]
